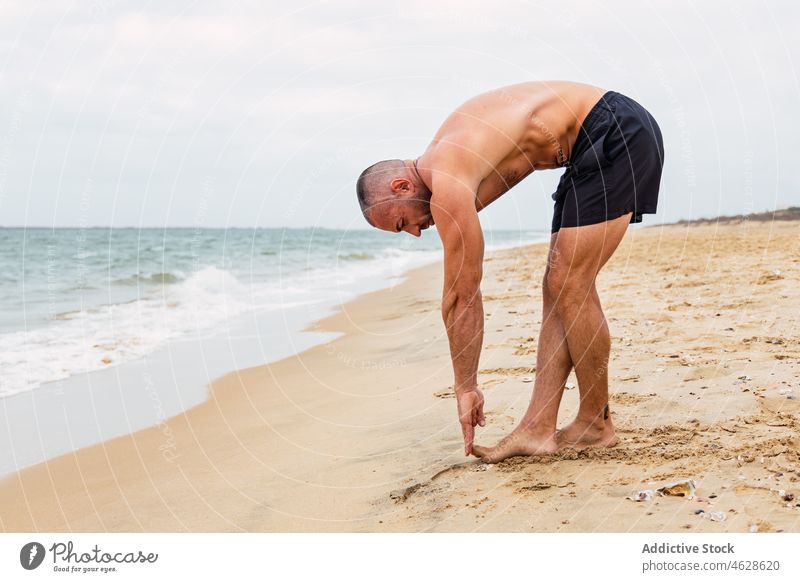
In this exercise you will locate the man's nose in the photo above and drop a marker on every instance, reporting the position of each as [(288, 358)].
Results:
[(415, 231)]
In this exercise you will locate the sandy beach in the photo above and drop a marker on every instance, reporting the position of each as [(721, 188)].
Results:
[(361, 434)]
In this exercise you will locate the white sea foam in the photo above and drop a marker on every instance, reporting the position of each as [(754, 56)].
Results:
[(84, 341)]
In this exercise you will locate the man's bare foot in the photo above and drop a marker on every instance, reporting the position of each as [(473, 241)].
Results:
[(519, 442), (581, 435)]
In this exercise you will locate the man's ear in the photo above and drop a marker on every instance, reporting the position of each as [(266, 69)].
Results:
[(400, 185)]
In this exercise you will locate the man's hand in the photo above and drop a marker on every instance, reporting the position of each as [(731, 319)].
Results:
[(470, 414)]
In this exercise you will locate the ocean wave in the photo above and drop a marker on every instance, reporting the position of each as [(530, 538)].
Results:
[(173, 304), (83, 341), (356, 257), (150, 279)]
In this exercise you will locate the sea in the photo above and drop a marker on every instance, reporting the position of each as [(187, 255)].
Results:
[(85, 299), (104, 332)]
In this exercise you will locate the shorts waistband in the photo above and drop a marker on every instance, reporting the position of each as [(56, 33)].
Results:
[(605, 104)]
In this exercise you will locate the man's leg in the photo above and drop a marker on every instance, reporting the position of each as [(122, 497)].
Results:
[(576, 257), (535, 432), (582, 252)]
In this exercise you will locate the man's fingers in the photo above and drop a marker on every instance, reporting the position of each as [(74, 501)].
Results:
[(470, 415), (469, 435)]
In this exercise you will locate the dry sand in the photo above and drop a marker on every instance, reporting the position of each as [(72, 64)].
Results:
[(361, 434)]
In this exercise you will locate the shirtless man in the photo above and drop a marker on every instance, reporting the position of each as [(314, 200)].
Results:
[(613, 151)]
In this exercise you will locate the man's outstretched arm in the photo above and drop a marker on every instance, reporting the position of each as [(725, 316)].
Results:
[(453, 209)]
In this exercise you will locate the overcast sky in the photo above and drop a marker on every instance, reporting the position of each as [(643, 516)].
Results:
[(264, 113)]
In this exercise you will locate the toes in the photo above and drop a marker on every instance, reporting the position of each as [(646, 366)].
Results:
[(483, 453)]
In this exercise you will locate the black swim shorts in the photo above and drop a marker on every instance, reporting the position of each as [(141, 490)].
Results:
[(614, 167)]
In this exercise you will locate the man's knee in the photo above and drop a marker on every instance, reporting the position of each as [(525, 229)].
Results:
[(567, 286)]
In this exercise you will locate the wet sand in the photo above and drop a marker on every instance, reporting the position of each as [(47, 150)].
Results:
[(360, 434)]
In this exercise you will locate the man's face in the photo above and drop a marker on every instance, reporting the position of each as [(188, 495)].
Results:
[(403, 215)]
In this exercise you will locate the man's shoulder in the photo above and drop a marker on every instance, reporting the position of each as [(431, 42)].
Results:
[(452, 158)]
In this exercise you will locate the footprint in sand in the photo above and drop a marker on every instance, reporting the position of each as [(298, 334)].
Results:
[(400, 495), (449, 393), (446, 393), (630, 398)]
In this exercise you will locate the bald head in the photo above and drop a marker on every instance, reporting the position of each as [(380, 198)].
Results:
[(374, 183)]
